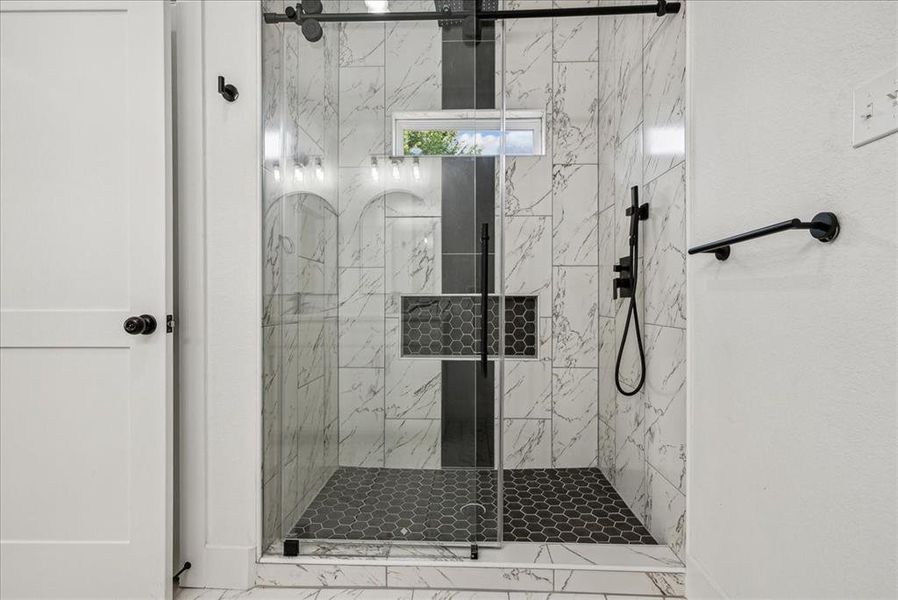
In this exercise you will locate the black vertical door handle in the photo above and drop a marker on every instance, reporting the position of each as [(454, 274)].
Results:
[(484, 294), (142, 325)]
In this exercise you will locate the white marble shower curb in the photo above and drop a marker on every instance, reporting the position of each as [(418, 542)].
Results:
[(516, 567)]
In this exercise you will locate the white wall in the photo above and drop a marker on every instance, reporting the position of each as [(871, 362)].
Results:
[(792, 485), (220, 292)]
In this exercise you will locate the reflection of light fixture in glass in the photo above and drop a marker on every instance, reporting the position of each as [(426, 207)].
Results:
[(665, 141), (395, 168), (277, 172), (375, 173), (319, 170), (416, 170), (298, 174), (378, 6)]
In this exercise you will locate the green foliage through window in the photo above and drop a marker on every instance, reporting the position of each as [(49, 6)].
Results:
[(431, 142)]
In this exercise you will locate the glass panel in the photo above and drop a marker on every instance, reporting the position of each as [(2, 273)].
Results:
[(365, 444)]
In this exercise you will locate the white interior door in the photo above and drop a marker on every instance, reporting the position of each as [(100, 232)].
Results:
[(85, 408)]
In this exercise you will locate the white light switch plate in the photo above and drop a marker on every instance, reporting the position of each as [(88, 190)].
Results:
[(876, 108)]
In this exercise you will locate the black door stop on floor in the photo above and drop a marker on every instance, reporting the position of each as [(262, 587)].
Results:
[(186, 566)]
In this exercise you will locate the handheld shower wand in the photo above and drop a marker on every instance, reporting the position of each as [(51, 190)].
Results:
[(625, 286)]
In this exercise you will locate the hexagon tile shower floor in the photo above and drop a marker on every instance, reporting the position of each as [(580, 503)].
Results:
[(541, 505)]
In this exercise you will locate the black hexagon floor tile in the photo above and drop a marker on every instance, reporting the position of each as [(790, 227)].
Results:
[(459, 505)]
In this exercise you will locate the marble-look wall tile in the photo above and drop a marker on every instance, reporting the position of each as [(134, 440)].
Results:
[(361, 44), (664, 80), (528, 58), (528, 259), (628, 54), (629, 459), (667, 513), (361, 318), (309, 349), (527, 443), (575, 38), (575, 107), (413, 387), (361, 417), (665, 410), (606, 450), (290, 495), (361, 224), (272, 238), (575, 395), (420, 197), (414, 77), (362, 115), (546, 338), (413, 258), (609, 112), (627, 173), (528, 389), (412, 444), (528, 185), (575, 215), (311, 422), (607, 259), (575, 317), (664, 271), (289, 398), (271, 510), (607, 359), (271, 402)]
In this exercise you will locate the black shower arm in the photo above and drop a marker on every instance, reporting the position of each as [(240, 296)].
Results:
[(660, 8), (824, 227)]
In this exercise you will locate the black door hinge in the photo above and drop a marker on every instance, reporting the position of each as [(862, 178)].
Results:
[(169, 323)]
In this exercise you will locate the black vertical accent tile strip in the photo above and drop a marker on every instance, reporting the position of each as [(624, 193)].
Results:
[(486, 402), (459, 207), (459, 402), (468, 199)]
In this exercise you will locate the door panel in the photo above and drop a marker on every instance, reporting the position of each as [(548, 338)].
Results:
[(85, 408)]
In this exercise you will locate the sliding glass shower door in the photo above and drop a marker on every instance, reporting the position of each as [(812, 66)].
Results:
[(385, 321)]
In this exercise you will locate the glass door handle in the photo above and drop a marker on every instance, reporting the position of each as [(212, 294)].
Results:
[(484, 294)]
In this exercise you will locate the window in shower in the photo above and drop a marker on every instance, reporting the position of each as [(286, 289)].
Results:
[(468, 133)]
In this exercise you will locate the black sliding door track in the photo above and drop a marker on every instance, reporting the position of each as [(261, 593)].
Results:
[(660, 9)]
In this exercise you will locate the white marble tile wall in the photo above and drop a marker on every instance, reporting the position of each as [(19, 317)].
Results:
[(389, 240), (552, 238), (642, 142)]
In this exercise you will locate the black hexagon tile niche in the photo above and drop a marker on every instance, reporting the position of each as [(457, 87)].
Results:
[(459, 505), (450, 326)]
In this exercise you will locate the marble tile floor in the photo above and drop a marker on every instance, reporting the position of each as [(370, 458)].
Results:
[(575, 505)]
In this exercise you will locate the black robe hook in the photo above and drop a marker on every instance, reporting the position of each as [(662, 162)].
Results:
[(227, 91)]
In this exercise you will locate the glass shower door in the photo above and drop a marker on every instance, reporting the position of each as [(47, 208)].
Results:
[(400, 443)]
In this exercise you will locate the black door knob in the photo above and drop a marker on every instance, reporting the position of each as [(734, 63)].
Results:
[(142, 325)]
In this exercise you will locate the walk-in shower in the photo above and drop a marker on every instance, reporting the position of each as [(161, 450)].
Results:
[(432, 267)]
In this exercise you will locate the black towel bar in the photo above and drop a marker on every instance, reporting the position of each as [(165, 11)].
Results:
[(823, 227)]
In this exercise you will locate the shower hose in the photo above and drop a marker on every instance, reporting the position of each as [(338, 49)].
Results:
[(632, 313)]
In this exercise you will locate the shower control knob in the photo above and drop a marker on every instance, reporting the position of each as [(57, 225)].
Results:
[(142, 325)]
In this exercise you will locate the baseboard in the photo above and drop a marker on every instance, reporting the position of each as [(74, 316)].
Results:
[(224, 567)]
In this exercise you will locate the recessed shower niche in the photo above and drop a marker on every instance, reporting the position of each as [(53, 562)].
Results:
[(417, 179)]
